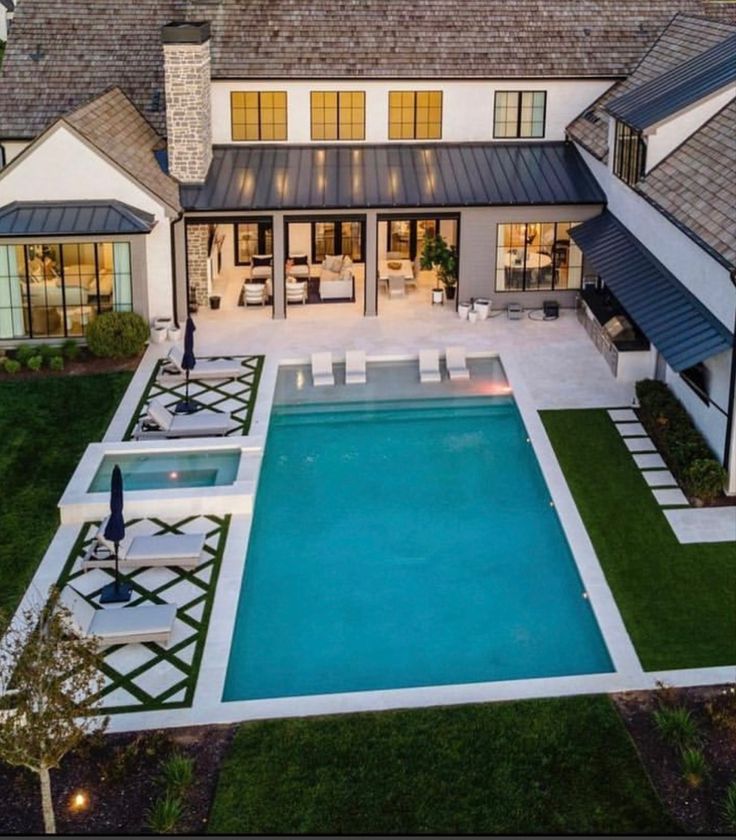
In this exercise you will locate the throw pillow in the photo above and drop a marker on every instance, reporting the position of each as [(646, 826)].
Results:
[(300, 259), (260, 260)]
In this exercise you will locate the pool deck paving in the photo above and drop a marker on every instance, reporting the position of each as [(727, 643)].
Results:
[(550, 365)]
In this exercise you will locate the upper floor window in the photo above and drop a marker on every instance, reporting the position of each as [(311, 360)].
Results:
[(258, 115), (415, 115), (519, 113), (537, 256), (629, 154), (338, 115)]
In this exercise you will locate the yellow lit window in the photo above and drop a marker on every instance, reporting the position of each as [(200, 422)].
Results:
[(338, 115), (258, 115), (415, 115)]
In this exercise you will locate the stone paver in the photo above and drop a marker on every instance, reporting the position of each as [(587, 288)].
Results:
[(659, 478), (630, 429), (670, 496), (649, 461), (622, 415), (640, 444), (703, 525)]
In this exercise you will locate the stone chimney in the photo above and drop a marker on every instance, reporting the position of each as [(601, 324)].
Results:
[(188, 111)]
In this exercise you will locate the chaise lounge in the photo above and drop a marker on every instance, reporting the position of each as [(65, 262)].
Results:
[(204, 369), (456, 364), (160, 422), (153, 623), (355, 367), (322, 369), (429, 366)]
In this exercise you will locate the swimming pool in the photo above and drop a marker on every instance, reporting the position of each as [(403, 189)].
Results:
[(168, 470), (405, 544)]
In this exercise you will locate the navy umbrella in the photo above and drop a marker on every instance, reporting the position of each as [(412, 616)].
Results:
[(115, 533), (188, 362)]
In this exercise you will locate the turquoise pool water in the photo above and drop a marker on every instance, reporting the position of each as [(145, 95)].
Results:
[(165, 471), (405, 544)]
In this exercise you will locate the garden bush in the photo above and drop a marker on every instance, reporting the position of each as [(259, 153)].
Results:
[(48, 351), (682, 446), (11, 365), (35, 362), (25, 352), (56, 363), (70, 349), (117, 334)]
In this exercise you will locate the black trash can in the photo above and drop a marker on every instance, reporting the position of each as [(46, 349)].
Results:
[(215, 302)]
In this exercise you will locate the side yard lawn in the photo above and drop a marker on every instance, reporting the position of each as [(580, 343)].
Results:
[(45, 426), (551, 766), (678, 601)]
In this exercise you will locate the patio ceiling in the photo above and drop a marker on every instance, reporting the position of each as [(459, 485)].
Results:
[(386, 176)]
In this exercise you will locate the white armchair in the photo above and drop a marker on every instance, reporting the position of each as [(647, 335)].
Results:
[(254, 294), (261, 267), (296, 291), (299, 266)]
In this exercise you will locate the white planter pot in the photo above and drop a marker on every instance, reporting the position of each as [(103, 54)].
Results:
[(158, 334), (437, 295), (463, 310), (482, 307), (473, 316), (173, 333), (164, 323)]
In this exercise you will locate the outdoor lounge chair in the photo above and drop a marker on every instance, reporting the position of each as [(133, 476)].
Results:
[(152, 623), (204, 369), (456, 365), (143, 551), (429, 366), (160, 422), (355, 367), (322, 369)]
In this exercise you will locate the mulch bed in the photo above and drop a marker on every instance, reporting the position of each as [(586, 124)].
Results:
[(698, 810), (84, 365), (121, 774)]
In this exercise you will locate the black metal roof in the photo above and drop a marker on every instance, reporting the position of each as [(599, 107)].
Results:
[(671, 317), (674, 90), (71, 218), (393, 175)]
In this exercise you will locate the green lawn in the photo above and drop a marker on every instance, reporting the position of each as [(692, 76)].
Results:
[(45, 426), (678, 601), (549, 766)]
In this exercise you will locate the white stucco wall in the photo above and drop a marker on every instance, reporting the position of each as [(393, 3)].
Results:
[(467, 107), (85, 175), (3, 23), (669, 134), (13, 148), (706, 278)]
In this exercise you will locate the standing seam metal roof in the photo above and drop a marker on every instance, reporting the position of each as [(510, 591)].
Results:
[(682, 86), (391, 175), (71, 218), (671, 317)]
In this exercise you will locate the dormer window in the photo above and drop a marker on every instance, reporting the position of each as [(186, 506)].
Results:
[(629, 154)]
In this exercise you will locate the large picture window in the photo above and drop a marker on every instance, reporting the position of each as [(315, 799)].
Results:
[(335, 238), (519, 113), (338, 115), (258, 115), (49, 289), (415, 115), (537, 256), (252, 238), (629, 154)]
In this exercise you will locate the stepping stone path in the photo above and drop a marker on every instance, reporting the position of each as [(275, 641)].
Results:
[(645, 455)]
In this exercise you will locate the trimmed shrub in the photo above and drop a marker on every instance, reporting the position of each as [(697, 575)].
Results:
[(56, 363), (165, 814), (71, 349), (48, 351), (676, 726), (11, 365), (178, 772), (25, 352), (704, 478), (694, 767), (35, 362), (117, 335), (681, 444)]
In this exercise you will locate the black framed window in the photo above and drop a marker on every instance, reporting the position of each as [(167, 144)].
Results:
[(698, 379), (258, 115), (406, 236), (519, 113), (335, 237), (537, 256), (629, 154), (252, 238), (338, 115), (415, 115)]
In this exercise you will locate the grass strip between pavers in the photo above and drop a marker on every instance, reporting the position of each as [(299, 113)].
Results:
[(561, 766), (678, 601)]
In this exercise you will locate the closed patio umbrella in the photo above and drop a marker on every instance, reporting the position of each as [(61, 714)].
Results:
[(188, 362), (115, 533)]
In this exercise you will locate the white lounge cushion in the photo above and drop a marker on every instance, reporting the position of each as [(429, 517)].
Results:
[(355, 367), (456, 365), (206, 368), (81, 614), (153, 548), (429, 366), (160, 415), (322, 369)]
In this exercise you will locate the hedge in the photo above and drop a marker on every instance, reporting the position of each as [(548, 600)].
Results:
[(117, 334)]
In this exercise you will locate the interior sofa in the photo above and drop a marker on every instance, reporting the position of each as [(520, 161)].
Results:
[(336, 280)]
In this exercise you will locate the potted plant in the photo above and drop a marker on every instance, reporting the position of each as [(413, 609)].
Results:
[(437, 254)]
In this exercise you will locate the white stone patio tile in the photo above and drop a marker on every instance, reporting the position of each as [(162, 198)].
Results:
[(630, 429), (196, 611), (659, 478), (181, 593), (649, 461), (204, 574), (90, 581), (178, 697), (181, 632), (622, 415), (703, 525), (154, 578), (640, 444), (129, 657), (187, 654), (670, 496), (158, 678), (119, 697)]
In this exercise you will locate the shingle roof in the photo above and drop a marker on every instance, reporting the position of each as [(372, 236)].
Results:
[(67, 218), (62, 52), (413, 175), (672, 318), (685, 38), (680, 87), (695, 185), (113, 125)]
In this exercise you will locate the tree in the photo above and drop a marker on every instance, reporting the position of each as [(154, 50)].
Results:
[(48, 688), (436, 253)]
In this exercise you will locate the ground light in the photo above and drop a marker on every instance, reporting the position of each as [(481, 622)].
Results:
[(79, 801)]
